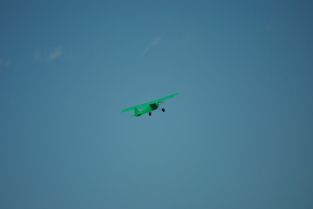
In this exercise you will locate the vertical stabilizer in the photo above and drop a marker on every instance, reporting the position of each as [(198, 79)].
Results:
[(137, 113)]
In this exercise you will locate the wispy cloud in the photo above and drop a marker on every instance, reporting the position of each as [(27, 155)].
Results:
[(4, 63), (52, 55), (37, 55), (55, 53), (190, 36), (268, 26), (152, 44)]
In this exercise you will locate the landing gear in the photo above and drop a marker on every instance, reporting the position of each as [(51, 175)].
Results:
[(163, 110), (149, 113)]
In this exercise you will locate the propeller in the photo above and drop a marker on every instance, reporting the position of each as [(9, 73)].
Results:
[(161, 102)]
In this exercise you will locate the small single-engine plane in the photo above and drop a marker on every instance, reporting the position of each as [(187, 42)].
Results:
[(148, 107)]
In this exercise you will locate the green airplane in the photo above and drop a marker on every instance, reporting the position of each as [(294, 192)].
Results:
[(148, 107)]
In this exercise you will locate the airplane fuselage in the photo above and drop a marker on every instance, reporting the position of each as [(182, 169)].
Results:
[(147, 109)]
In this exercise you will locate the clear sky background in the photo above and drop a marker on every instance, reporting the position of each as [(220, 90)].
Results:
[(239, 134)]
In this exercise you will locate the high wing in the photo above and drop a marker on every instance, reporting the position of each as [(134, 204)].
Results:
[(148, 103)]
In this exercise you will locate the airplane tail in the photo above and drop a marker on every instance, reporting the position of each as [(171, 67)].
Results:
[(137, 113)]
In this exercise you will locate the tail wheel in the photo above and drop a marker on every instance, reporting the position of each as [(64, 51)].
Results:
[(163, 110), (149, 113)]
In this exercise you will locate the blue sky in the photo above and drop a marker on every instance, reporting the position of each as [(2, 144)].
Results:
[(239, 135)]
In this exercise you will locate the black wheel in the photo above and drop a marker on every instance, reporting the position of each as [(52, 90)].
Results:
[(163, 110), (149, 113)]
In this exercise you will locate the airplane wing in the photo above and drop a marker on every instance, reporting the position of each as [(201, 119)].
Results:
[(152, 102)]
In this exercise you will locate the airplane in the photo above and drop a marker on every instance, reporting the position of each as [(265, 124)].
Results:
[(148, 107)]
